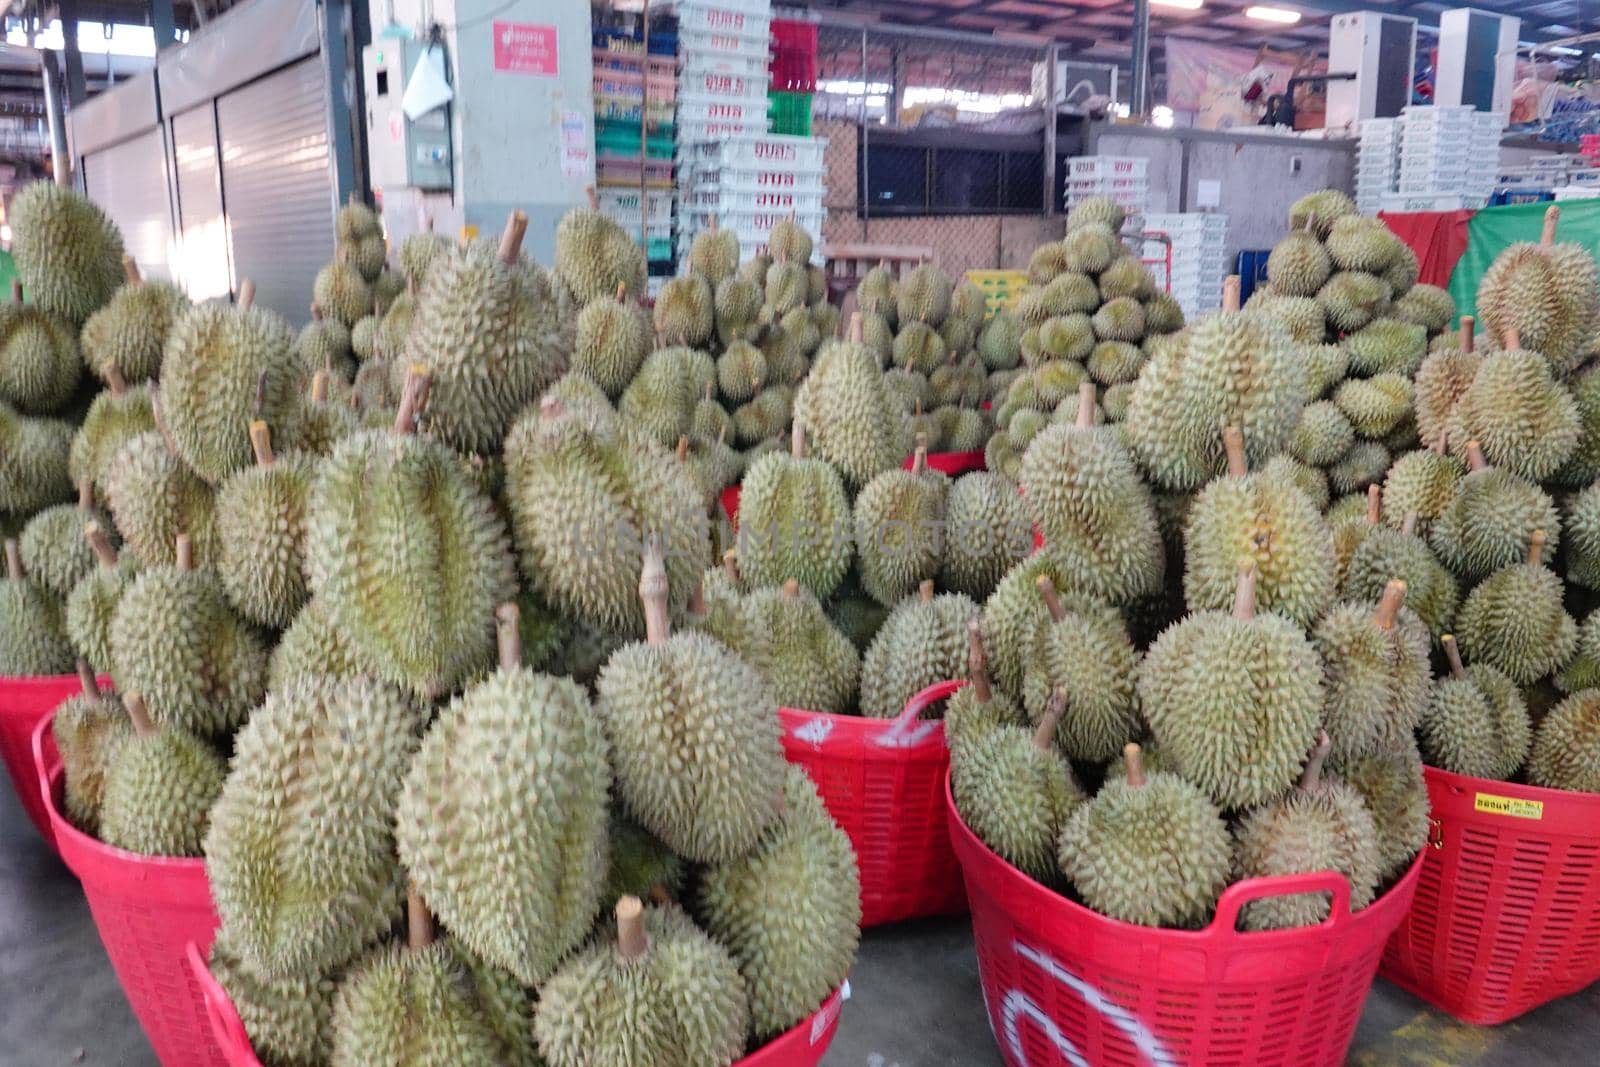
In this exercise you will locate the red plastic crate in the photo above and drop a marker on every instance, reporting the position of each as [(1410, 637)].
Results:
[(803, 1046), (1507, 915), (954, 464), (23, 703), (882, 780), (1066, 985), (794, 56), (148, 909)]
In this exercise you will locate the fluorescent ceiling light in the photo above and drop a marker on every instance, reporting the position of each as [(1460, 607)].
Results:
[(1280, 15), (1181, 5)]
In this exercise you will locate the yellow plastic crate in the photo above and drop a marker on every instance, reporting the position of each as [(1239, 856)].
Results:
[(1001, 288)]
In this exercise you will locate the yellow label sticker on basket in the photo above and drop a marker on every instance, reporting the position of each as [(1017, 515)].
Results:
[(1490, 804)]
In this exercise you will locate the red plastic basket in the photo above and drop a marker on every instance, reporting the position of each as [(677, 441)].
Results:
[(147, 909), (24, 701), (954, 464), (1507, 915), (803, 1046), (882, 780), (730, 504), (1066, 985), (794, 56)]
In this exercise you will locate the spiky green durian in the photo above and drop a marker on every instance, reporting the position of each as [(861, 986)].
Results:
[(1428, 306), (1114, 401), (39, 361), (54, 552), (1234, 699), (1476, 722), (1120, 319), (594, 255), (1047, 262), (1115, 362), (1318, 211), (1583, 467), (68, 252), (1545, 292), (1323, 435), (1387, 346), (1091, 248), (1016, 792), (516, 867), (387, 288), (1404, 269), (1096, 210), (1162, 315), (899, 520), (364, 338), (714, 254), (1365, 464), (1514, 619), (1299, 264), (1378, 672), (978, 709), (324, 344), (1356, 242), (923, 295), (958, 336), (1301, 317), (1068, 294), (1566, 748), (741, 371), (811, 664), (342, 292), (1126, 277), (1582, 671), (1014, 616), (1441, 381), (288, 1019), (1490, 518), (1066, 337), (115, 416), (847, 413), (1391, 783), (1085, 653), (795, 521), (261, 534), (418, 253), (1374, 406), (638, 864), (1322, 825), (1384, 554), (31, 637), (93, 602), (919, 347), (1583, 534), (785, 290), (966, 431), (88, 729), (787, 361), (923, 641), (789, 242), (159, 788), (877, 293), (758, 423), (1311, 481), (612, 341), (1524, 420), (683, 311), (999, 343), (312, 645), (1423, 482), (986, 533), (33, 462), (1351, 299), (789, 911), (154, 497), (661, 399), (1148, 849)]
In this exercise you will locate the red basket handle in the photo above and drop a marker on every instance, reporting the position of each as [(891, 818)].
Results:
[(922, 701), (44, 766), (226, 1026), (1237, 895)]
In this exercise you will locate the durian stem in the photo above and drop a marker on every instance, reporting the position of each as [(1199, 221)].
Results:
[(183, 552), (1513, 339), (86, 494), (594, 201), (161, 423), (622, 292), (857, 329), (1441, 444), (319, 387), (916, 411), (925, 591), (86, 678), (1408, 525), (978, 663), (261, 443), (1047, 593), (508, 635), (919, 460), (1394, 596), (1230, 293), (316, 311), (100, 544), (1044, 735), (730, 567), (1085, 406), (16, 290), (1244, 594), (139, 714), (653, 593), (1374, 505), (247, 294), (1233, 445), (130, 271), (1536, 547), (412, 399), (1133, 760), (797, 441), (114, 379), (419, 921), (697, 599), (791, 588), (683, 449), (1311, 777), (1475, 458), (1552, 217), (13, 560), (1468, 340), (511, 238), (1452, 652), (632, 942)]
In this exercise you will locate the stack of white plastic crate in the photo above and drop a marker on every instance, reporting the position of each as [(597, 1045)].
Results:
[(1449, 153), (1125, 179), (749, 185), (1199, 243), (1377, 163)]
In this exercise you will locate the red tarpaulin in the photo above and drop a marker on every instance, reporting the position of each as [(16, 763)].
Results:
[(1437, 237)]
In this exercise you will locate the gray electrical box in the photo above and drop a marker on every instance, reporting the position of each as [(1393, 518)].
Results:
[(402, 152)]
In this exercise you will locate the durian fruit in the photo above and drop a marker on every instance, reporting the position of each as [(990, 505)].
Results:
[(923, 295), (714, 253), (999, 342), (1582, 671), (811, 665), (39, 361), (1096, 210), (1323, 436), (34, 471), (789, 242), (159, 787), (639, 865), (93, 602), (785, 289), (1299, 264), (54, 553), (720, 607), (847, 413), (654, 990), (323, 424), (612, 341), (418, 253), (1566, 748), (88, 729), (978, 708), (1544, 292), (594, 255), (514, 866), (1323, 825), (1149, 849), (878, 293), (31, 637), (923, 641), (736, 307), (1311, 481), (1391, 783), (1162, 315), (154, 496), (683, 311), (1365, 464), (1427, 306), (918, 347), (1376, 405), (1387, 346), (1489, 519), (364, 339), (1583, 538), (176, 641), (1514, 620), (1441, 381), (224, 366), (68, 252), (1424, 482), (661, 399), (1234, 700), (1351, 299), (341, 291), (1524, 420), (789, 911), (1126, 278), (1319, 211), (1015, 791), (407, 554), (1302, 318), (1378, 673), (1084, 494), (1091, 248), (1014, 616), (684, 701), (486, 333), (288, 1020), (1384, 554), (795, 520), (1325, 367), (1476, 722), (1582, 468), (987, 532), (358, 235), (1085, 653), (1115, 362), (300, 851), (116, 415), (1357, 242), (899, 521), (311, 645), (324, 344), (261, 533), (1266, 518), (1121, 319), (741, 372)]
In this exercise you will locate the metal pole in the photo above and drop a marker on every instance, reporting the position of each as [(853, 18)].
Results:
[(77, 87), (864, 194), (56, 116), (644, 132), (339, 74), (1052, 55), (1139, 92), (161, 22)]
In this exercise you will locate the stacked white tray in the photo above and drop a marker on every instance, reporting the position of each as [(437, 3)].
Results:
[(1124, 179), (1450, 151), (1377, 163), (723, 52), (1199, 258), (748, 185)]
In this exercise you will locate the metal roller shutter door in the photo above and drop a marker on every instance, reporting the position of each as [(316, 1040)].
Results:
[(202, 262), (278, 184), (129, 181)]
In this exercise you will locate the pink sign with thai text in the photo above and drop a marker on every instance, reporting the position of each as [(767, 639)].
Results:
[(524, 48)]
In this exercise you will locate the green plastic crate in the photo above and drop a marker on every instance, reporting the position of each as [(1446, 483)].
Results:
[(614, 138), (790, 113)]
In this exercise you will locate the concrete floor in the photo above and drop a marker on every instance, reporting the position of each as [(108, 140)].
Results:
[(915, 988)]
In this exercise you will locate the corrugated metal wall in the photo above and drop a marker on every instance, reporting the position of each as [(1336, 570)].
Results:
[(278, 185), (129, 181), (203, 232)]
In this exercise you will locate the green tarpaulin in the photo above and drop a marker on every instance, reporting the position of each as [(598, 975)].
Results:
[(1493, 229)]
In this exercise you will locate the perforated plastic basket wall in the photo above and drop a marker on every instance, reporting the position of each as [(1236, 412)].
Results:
[(803, 1046), (882, 780), (1065, 985), (1507, 915), (23, 703), (147, 909)]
